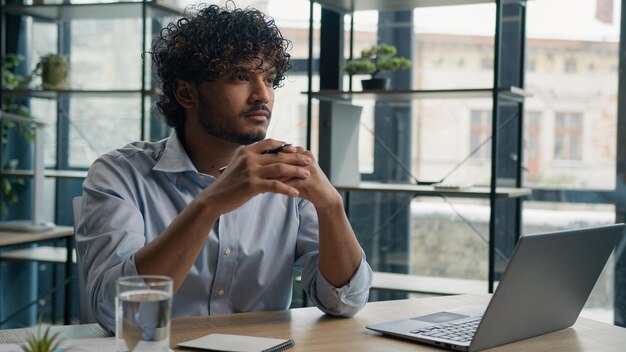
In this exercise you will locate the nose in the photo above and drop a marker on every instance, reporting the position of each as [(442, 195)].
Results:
[(260, 92)]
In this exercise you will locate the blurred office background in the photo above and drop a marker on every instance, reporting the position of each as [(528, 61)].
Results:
[(570, 130)]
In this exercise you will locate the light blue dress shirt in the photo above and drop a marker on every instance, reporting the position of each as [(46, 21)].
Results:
[(132, 194)]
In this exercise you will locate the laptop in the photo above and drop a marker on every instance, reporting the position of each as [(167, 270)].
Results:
[(543, 289)]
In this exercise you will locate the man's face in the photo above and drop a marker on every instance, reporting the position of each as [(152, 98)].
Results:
[(237, 107)]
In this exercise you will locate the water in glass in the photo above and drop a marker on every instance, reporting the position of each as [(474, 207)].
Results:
[(144, 321)]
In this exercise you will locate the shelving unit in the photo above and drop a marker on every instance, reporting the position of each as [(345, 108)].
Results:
[(511, 93), (393, 5), (95, 11), (147, 14), (54, 94), (63, 15), (419, 190), (78, 174), (507, 95)]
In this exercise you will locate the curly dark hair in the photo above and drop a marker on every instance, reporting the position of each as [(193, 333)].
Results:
[(208, 44)]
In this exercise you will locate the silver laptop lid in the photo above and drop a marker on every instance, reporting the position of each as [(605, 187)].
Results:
[(551, 277)]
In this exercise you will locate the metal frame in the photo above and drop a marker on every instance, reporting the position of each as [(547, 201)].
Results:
[(508, 71), (505, 170), (620, 179)]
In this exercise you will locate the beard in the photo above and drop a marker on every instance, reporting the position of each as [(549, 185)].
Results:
[(218, 126)]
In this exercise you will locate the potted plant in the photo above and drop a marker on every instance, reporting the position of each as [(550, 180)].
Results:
[(46, 342), (376, 59), (53, 69)]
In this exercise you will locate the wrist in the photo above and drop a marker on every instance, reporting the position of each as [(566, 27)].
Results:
[(331, 205), (204, 207)]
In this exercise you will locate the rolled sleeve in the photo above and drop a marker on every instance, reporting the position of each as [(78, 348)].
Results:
[(344, 301), (347, 300)]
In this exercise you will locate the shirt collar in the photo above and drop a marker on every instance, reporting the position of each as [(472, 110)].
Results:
[(174, 158)]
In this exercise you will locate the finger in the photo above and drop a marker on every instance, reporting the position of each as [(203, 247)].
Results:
[(279, 187), (280, 171), (265, 145), (276, 150), (287, 158), (290, 149)]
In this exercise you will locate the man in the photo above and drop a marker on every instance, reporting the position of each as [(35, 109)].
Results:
[(229, 237)]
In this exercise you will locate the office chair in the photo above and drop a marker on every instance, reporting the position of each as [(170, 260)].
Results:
[(85, 315)]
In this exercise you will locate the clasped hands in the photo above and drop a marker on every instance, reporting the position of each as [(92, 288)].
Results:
[(293, 172)]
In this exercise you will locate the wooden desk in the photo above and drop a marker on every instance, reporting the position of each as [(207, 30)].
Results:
[(84, 331), (10, 238), (313, 331)]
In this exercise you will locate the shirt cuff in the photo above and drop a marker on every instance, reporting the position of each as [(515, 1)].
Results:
[(347, 300)]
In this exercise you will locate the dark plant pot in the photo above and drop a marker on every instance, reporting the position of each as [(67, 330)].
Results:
[(375, 83)]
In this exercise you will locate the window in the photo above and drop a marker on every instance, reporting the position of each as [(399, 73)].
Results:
[(568, 136), (532, 126), (531, 64), (486, 63), (560, 30), (570, 65), (604, 11), (480, 131)]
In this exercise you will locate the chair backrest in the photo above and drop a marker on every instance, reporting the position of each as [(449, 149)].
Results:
[(85, 316)]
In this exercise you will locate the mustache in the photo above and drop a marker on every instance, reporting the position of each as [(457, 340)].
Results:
[(259, 107)]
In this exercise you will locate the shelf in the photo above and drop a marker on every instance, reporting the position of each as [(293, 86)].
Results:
[(21, 119), (394, 5), (10, 238), (470, 192), (46, 254), (429, 285), (47, 173), (510, 93), (97, 11), (55, 93)]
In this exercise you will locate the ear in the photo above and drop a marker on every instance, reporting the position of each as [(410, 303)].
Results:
[(185, 94)]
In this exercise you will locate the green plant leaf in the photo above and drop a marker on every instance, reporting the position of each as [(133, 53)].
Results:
[(6, 186), (43, 343), (12, 80), (375, 59), (360, 66)]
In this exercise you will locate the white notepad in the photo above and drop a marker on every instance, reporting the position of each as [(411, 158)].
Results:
[(237, 343)]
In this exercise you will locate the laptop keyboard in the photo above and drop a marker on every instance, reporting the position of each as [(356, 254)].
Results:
[(461, 332)]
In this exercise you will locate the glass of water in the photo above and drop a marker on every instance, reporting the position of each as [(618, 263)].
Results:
[(142, 313)]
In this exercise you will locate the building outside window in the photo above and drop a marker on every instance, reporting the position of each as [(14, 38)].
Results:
[(570, 65), (568, 136), (480, 133), (532, 129)]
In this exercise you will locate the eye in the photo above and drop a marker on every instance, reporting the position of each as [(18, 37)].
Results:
[(240, 76), (270, 80)]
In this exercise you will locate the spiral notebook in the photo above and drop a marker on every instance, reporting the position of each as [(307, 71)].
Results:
[(236, 343)]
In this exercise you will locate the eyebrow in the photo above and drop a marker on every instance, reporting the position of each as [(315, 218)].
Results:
[(240, 69)]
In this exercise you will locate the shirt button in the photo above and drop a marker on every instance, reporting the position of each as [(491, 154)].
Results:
[(227, 251), (220, 292)]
